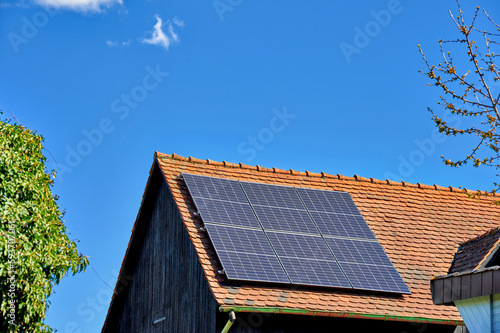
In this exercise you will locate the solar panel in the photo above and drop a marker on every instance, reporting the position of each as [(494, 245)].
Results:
[(246, 254), (342, 225), (282, 234), (214, 188), (376, 278), (227, 212), (307, 260), (366, 265), (272, 195), (299, 246), (252, 267), (358, 251), (328, 201), (315, 272), (234, 239), (291, 220)]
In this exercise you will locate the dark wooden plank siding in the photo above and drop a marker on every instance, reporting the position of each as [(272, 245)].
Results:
[(271, 323), (168, 281), (449, 289)]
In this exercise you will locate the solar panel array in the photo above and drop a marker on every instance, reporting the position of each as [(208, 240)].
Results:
[(282, 234)]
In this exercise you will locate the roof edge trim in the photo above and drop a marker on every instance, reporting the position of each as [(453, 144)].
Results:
[(339, 314)]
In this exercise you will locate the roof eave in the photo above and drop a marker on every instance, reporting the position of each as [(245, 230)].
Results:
[(339, 314)]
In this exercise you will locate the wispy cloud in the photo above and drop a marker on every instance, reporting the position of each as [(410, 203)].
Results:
[(159, 37), (114, 43), (80, 5), (14, 4)]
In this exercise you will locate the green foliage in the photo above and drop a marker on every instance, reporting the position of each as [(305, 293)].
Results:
[(467, 91), (35, 252)]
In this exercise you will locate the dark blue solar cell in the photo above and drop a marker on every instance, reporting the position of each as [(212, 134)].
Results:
[(214, 188), (353, 226), (226, 212), (291, 220), (328, 201), (357, 251), (315, 272), (299, 246), (373, 277), (227, 238), (272, 195), (252, 267)]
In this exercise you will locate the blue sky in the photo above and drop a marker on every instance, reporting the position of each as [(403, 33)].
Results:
[(325, 86)]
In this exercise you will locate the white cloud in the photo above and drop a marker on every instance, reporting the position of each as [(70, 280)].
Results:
[(114, 43), (159, 37), (178, 22), (14, 4), (80, 5)]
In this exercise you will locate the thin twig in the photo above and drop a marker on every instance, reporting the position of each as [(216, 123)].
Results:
[(15, 118), (102, 279)]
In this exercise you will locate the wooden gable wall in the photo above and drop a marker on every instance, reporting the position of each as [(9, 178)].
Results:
[(163, 288)]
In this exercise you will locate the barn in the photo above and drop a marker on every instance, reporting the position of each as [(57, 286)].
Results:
[(187, 270)]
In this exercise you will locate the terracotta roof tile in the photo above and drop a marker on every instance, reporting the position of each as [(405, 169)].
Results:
[(419, 226)]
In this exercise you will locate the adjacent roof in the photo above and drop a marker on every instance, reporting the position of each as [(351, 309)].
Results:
[(468, 276), (419, 226), (476, 253)]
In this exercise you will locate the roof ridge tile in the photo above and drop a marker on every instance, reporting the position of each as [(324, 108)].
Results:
[(276, 170), (313, 174), (427, 187), (297, 173), (196, 160), (249, 167), (259, 168), (264, 169), (328, 175), (230, 165), (377, 181), (392, 182), (212, 162), (362, 179), (342, 177)]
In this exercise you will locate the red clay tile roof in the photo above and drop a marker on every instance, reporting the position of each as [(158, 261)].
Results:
[(419, 227), (473, 254)]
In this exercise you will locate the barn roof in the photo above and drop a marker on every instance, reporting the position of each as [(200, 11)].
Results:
[(474, 253), (419, 226)]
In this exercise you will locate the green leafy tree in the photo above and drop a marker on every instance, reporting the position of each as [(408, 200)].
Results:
[(35, 251), (467, 76)]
